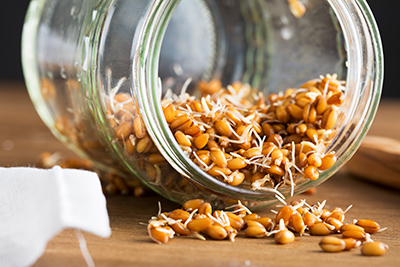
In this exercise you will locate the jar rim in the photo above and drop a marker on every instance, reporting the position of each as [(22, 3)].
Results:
[(148, 91)]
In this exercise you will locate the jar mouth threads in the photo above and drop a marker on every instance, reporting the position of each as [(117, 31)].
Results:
[(365, 75)]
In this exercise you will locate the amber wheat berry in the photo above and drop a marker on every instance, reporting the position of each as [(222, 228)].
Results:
[(332, 244), (374, 249), (369, 226)]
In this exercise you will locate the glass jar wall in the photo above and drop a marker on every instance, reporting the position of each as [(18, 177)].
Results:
[(97, 71)]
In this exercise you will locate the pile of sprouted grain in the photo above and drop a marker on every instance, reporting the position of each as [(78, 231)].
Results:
[(232, 133), (196, 218), (266, 142)]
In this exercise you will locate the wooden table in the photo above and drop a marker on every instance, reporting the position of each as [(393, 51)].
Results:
[(23, 137)]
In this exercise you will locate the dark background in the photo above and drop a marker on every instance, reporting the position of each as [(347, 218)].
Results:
[(387, 16)]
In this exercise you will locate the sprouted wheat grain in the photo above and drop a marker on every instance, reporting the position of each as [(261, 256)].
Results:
[(289, 221), (237, 135), (282, 136)]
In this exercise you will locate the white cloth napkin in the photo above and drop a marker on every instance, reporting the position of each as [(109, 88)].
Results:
[(37, 204)]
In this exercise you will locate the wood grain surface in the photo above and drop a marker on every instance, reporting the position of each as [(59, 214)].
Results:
[(23, 137), (378, 161)]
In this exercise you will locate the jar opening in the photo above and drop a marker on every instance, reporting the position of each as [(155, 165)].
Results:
[(97, 71), (350, 53)]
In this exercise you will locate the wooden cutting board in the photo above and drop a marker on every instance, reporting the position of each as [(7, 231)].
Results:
[(378, 161)]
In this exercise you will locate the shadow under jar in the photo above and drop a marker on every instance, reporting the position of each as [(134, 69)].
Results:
[(91, 66)]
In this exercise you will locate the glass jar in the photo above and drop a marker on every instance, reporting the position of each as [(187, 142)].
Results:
[(79, 55)]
